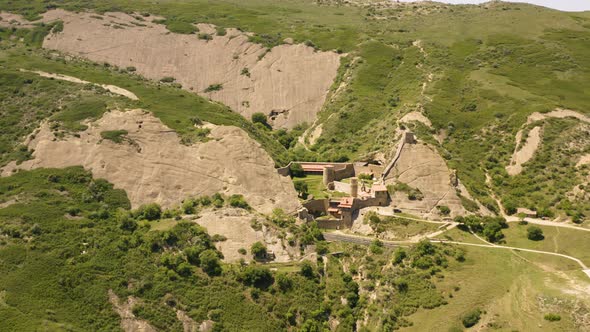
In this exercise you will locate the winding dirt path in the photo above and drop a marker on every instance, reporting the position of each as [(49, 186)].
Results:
[(365, 240), (111, 88)]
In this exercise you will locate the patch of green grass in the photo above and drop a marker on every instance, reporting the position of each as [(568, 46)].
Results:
[(565, 241), (399, 228), (28, 99), (513, 277), (181, 27), (315, 186), (117, 136), (90, 108)]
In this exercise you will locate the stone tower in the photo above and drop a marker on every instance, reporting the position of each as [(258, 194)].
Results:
[(354, 187), (328, 174)]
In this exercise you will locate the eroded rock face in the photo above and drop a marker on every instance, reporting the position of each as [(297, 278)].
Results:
[(129, 323), (421, 167), (237, 226), (151, 165), (526, 152), (289, 82)]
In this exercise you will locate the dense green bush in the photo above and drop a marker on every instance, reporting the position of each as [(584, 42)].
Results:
[(296, 170), (258, 250), (257, 276), (209, 262), (552, 317), (238, 201), (259, 117), (150, 211), (535, 233), (213, 87), (471, 318), (302, 188)]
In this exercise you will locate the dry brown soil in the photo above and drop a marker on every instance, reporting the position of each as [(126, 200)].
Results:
[(153, 166), (288, 82), (421, 167), (236, 226)]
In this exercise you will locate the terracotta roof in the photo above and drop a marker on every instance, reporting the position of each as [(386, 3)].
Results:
[(313, 168), (346, 202)]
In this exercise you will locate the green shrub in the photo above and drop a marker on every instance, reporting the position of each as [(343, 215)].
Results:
[(150, 211), (218, 238), (552, 317), (214, 87), (167, 79), (180, 27), (116, 136), (85, 108), (399, 255), (205, 36), (259, 117), (209, 262), (302, 188), (283, 282), (220, 31), (257, 276), (238, 201), (258, 250), (296, 170), (376, 247), (471, 318), (444, 210), (58, 27), (307, 269), (535, 233)]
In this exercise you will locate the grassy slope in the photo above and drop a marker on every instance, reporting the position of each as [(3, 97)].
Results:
[(509, 297), (51, 279), (57, 269), (560, 240)]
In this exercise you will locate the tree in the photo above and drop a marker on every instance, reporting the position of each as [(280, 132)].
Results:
[(399, 255), (509, 206), (284, 282), (493, 231), (301, 188), (307, 269), (376, 247), (296, 170), (257, 276), (259, 117), (126, 221), (150, 211), (258, 250), (444, 210), (209, 261), (535, 233)]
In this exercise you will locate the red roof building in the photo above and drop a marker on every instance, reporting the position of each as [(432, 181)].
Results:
[(346, 203)]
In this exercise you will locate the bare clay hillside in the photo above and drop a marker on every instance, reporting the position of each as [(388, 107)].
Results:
[(151, 165), (288, 82)]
